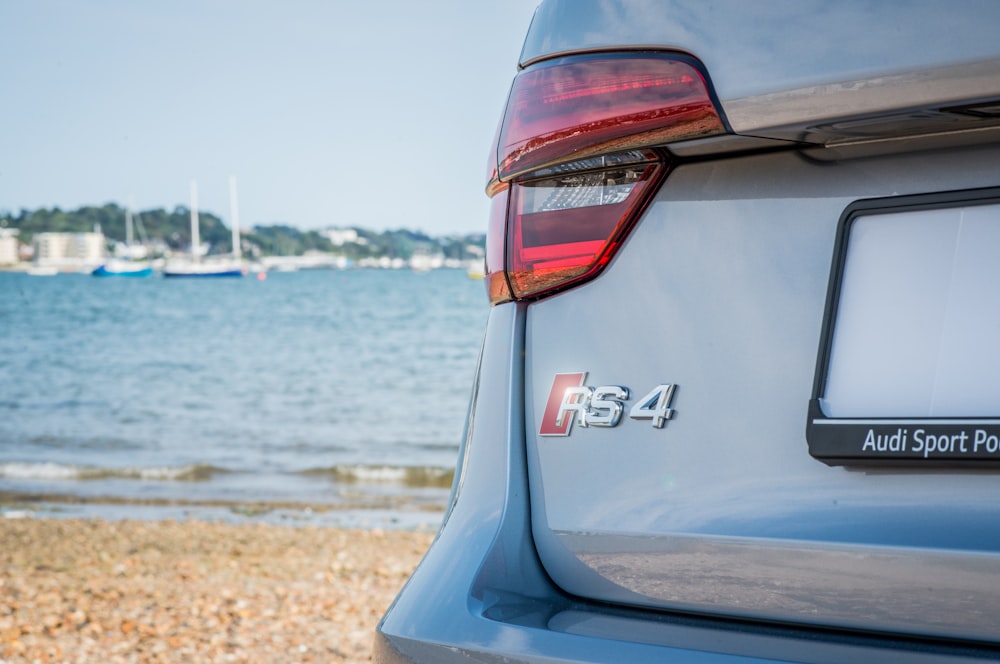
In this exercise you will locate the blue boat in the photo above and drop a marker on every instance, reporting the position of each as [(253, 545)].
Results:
[(120, 268), (117, 267)]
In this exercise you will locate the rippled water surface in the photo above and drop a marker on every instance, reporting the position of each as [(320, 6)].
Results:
[(315, 386)]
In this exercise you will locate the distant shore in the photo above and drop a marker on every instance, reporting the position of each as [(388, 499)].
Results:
[(193, 590)]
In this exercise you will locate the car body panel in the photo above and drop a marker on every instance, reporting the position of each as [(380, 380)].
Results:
[(718, 537), (721, 290), (480, 593)]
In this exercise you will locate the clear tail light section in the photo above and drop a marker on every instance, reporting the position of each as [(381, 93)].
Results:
[(564, 228), (575, 165)]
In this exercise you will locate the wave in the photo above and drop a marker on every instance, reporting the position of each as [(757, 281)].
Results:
[(438, 447), (52, 405), (59, 471), (409, 476), (60, 442)]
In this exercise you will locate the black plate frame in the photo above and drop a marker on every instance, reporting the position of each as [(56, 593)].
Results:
[(841, 441)]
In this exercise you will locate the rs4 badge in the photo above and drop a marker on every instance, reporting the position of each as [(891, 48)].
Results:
[(569, 400)]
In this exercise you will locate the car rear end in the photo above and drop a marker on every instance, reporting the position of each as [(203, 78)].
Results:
[(738, 395)]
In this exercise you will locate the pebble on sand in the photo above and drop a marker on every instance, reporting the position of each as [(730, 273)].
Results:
[(182, 591)]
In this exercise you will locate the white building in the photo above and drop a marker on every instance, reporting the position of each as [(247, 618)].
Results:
[(338, 237), (9, 254), (69, 250)]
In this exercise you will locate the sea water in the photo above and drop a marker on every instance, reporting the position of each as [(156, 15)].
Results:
[(326, 388)]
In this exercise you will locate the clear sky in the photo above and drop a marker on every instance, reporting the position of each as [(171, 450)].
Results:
[(375, 113)]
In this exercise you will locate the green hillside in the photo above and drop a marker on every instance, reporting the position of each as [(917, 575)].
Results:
[(172, 230)]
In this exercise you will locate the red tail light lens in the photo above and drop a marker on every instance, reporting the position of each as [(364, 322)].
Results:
[(574, 108), (575, 170)]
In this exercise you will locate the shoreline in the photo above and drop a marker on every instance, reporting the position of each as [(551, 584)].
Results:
[(387, 514), (90, 589)]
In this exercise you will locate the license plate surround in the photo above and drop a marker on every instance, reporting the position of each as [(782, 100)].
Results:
[(866, 407)]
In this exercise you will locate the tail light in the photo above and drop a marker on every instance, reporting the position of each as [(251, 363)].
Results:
[(575, 164)]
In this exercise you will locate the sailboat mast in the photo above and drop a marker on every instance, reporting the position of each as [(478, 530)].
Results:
[(128, 227), (195, 239), (235, 213)]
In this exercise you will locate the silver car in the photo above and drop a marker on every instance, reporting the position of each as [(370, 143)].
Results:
[(739, 392)]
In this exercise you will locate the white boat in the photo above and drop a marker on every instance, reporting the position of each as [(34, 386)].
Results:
[(43, 271), (223, 268), (476, 269), (195, 265)]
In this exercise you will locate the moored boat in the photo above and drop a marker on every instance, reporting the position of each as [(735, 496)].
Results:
[(220, 267), (121, 268), (206, 269), (117, 267)]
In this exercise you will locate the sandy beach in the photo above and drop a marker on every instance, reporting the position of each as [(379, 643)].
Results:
[(90, 590)]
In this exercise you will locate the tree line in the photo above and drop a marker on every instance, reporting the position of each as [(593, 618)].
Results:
[(171, 230)]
